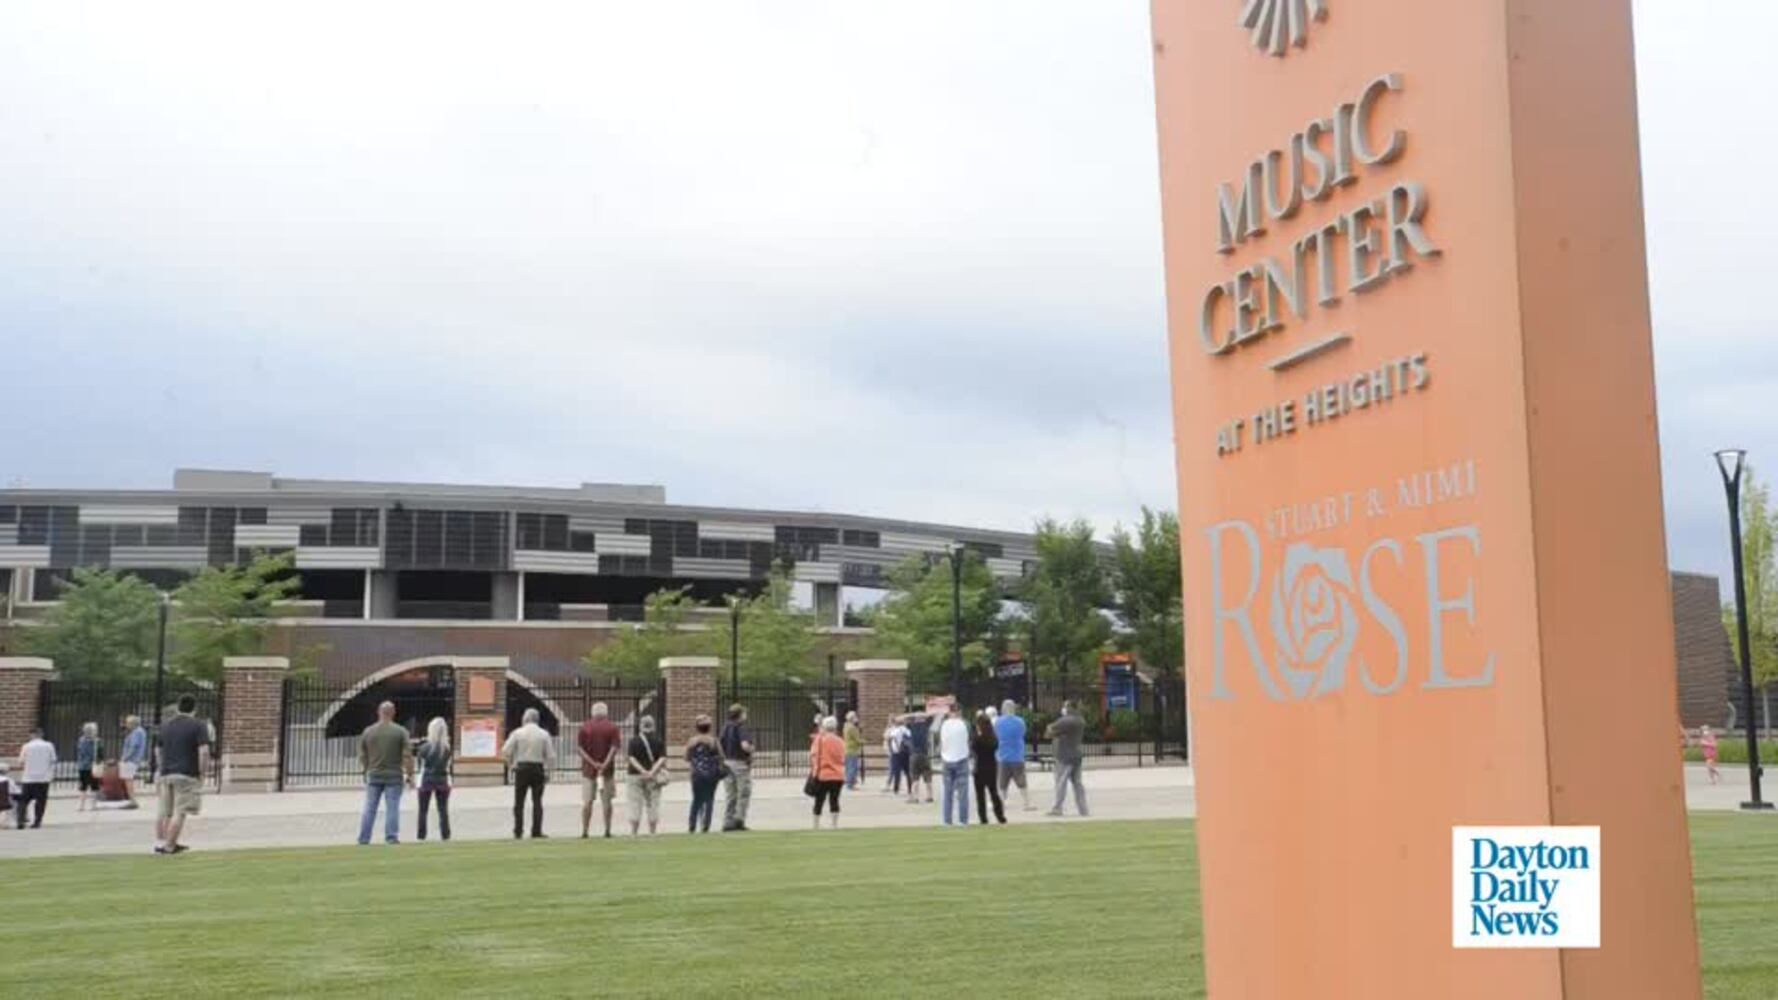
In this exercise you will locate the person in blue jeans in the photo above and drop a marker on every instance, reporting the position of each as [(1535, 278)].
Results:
[(388, 761), (953, 749)]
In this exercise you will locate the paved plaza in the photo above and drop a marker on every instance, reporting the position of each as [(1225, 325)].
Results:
[(320, 818)]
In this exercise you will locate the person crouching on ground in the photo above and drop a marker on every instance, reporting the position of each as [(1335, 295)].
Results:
[(184, 742), (703, 758), (388, 760), (529, 751), (827, 766), (434, 760), (647, 762)]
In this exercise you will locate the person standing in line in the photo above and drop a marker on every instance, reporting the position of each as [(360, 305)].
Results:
[(703, 758), (89, 759), (598, 743), (1707, 741), (529, 751), (37, 768), (983, 747), (388, 761), (919, 726), (180, 786), (1068, 732), (1009, 730), (953, 750), (737, 754), (895, 746), (647, 761), (827, 766), (434, 759), (135, 754), (854, 737)]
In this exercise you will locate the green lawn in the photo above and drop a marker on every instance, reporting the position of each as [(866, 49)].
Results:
[(1104, 909)]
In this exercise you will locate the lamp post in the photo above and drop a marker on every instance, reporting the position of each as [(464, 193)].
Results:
[(734, 646), (160, 667), (1730, 463), (956, 553)]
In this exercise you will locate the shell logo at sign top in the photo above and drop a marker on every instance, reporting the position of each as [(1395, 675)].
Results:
[(1277, 24)]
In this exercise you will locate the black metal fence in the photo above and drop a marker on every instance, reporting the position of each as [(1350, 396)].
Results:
[(563, 705), (65, 707), (322, 721), (782, 717), (1145, 725)]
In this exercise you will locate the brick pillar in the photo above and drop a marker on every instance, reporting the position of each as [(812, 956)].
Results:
[(252, 710), (21, 679), (481, 694), (882, 692), (691, 692)]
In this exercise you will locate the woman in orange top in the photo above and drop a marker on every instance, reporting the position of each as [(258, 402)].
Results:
[(827, 769)]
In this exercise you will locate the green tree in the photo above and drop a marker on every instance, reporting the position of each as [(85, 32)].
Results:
[(1065, 598), (226, 610), (634, 654), (104, 630), (777, 640), (914, 621), (1146, 567), (1759, 573)]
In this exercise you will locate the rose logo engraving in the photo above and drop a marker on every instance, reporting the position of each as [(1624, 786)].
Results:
[(1278, 24), (1313, 620)]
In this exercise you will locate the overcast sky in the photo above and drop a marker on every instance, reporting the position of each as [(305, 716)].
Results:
[(898, 259)]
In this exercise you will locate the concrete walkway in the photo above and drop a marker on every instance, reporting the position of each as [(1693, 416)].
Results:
[(322, 818)]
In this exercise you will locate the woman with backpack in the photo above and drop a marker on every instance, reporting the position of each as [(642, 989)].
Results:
[(704, 757), (434, 757)]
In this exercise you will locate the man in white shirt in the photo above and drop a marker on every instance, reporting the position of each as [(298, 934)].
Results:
[(953, 749), (529, 751), (37, 768)]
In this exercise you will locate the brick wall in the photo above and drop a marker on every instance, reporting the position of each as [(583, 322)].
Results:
[(21, 679), (882, 692), (252, 705), (691, 692), (1708, 676)]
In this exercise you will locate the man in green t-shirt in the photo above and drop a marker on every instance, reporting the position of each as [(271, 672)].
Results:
[(388, 759)]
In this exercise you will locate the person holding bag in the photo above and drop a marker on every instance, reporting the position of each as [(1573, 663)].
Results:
[(646, 776), (827, 770)]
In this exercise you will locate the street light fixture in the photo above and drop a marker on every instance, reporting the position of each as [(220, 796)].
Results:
[(956, 551), (734, 645), (1730, 463), (160, 664)]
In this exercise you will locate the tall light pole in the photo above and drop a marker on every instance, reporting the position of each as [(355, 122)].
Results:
[(1730, 462), (734, 646), (956, 553), (160, 666)]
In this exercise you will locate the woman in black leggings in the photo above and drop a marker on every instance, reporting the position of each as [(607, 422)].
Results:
[(983, 745)]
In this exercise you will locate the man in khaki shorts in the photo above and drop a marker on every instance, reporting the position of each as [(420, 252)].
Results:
[(599, 740), (184, 742)]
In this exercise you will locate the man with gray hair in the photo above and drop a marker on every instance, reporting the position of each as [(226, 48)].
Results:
[(598, 743), (529, 751), (388, 760), (1068, 731)]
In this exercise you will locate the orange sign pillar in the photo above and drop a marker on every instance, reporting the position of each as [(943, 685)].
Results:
[(1419, 486)]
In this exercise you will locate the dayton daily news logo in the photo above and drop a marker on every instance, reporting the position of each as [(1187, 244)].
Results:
[(1278, 24), (1525, 887)]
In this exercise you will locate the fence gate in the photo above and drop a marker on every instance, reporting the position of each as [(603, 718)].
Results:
[(563, 705), (321, 721), (781, 716), (66, 706)]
